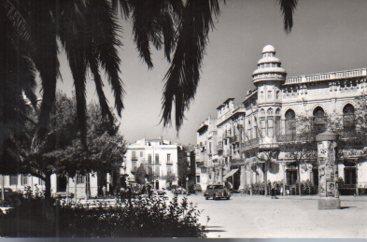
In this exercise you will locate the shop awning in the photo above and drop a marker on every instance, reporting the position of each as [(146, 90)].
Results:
[(229, 174)]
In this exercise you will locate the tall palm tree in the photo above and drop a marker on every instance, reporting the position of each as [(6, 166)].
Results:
[(88, 31)]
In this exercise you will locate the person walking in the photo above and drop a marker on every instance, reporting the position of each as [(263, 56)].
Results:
[(104, 191)]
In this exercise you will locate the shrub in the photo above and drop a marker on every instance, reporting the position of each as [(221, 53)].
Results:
[(142, 217)]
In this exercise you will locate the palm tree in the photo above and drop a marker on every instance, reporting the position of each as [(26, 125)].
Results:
[(88, 31)]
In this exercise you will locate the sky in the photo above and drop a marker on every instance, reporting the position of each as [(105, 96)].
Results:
[(328, 35)]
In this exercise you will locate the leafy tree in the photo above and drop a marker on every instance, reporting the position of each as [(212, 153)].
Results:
[(301, 147), (140, 174), (62, 152)]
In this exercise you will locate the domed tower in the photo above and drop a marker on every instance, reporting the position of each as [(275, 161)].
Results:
[(268, 78)]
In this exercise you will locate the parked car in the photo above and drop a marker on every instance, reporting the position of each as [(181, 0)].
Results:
[(197, 188), (179, 190), (217, 192), (8, 193), (161, 192)]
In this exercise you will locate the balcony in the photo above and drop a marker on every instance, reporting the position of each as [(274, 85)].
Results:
[(220, 147), (134, 158), (251, 142)]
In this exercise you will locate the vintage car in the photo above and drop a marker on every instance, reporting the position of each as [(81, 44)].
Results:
[(179, 191), (217, 192)]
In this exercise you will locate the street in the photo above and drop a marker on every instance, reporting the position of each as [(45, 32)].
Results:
[(291, 216)]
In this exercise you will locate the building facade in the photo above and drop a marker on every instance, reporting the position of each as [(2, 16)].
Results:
[(159, 159), (268, 136), (61, 185)]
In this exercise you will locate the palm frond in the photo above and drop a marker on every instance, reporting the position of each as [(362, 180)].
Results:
[(183, 75), (287, 7), (142, 16), (45, 56), (105, 110), (123, 5), (104, 31), (18, 21)]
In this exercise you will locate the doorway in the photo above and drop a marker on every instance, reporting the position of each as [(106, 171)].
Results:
[(61, 183)]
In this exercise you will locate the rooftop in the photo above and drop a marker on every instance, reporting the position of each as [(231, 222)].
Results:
[(327, 76)]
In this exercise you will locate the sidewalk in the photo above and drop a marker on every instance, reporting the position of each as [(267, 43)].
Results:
[(297, 197)]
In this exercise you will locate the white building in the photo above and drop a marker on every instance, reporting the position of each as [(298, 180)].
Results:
[(158, 157), (60, 185), (266, 119)]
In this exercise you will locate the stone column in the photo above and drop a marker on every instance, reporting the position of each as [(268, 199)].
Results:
[(327, 171)]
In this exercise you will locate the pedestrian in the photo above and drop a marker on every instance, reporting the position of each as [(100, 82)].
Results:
[(104, 190), (272, 191), (129, 194), (149, 189)]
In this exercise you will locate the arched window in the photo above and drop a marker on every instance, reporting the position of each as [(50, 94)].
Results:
[(319, 120), (290, 124), (277, 112), (277, 121), (270, 123), (349, 123), (262, 125), (262, 112)]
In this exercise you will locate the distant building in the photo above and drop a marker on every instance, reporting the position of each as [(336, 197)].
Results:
[(229, 145), (158, 157)]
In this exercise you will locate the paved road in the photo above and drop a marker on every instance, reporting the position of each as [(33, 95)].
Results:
[(296, 217)]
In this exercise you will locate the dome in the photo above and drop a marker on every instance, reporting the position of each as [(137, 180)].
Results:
[(268, 48), (269, 67)]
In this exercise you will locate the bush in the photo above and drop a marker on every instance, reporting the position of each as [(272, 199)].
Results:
[(143, 217)]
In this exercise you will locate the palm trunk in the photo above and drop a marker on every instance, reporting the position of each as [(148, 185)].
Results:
[(48, 186)]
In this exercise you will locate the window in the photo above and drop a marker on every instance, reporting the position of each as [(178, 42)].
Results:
[(141, 154), (169, 170), (270, 94), (80, 179), (168, 158), (319, 120), (255, 129), (348, 118), (262, 112), (210, 147), (270, 127), (290, 124), (261, 95), (277, 94), (262, 126), (133, 156), (41, 182), (13, 180), (157, 159), (23, 180), (197, 179)]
